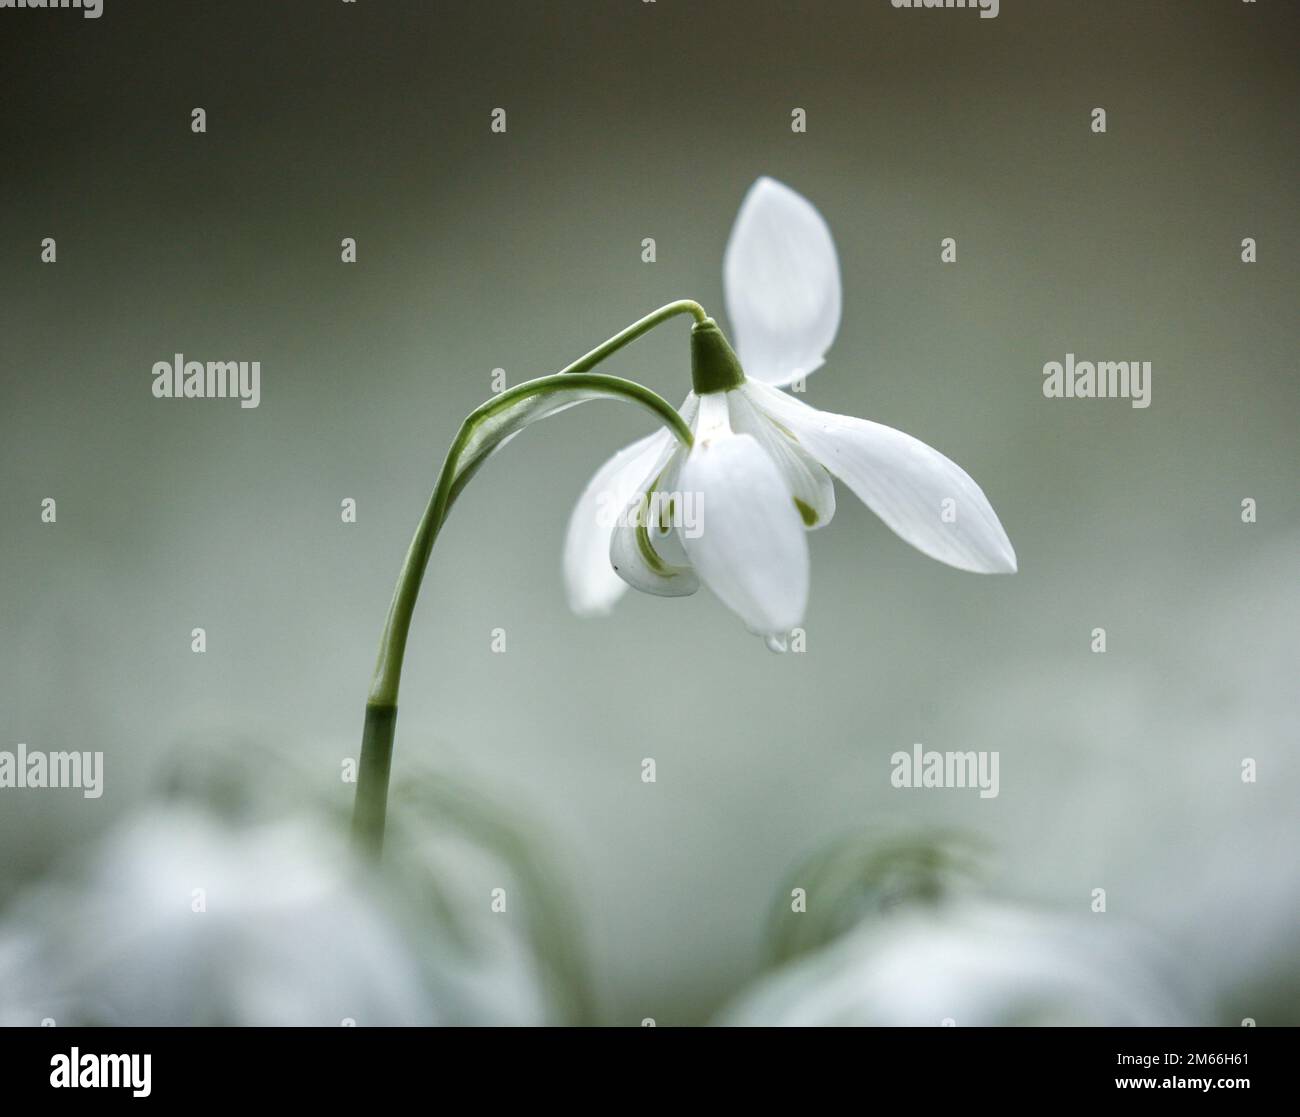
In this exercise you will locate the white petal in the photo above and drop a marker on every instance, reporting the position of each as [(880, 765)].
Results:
[(782, 282), (643, 549), (927, 500), (750, 549), (810, 485), (589, 580)]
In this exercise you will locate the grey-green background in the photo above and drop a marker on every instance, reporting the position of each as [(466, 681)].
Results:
[(629, 120)]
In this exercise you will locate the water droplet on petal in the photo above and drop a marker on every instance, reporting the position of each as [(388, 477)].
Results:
[(779, 644)]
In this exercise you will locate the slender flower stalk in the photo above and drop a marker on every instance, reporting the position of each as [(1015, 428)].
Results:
[(635, 330), (483, 432)]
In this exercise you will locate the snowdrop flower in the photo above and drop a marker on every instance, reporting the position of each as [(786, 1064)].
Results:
[(970, 963), (759, 475)]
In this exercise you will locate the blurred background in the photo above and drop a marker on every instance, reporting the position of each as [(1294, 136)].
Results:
[(520, 251)]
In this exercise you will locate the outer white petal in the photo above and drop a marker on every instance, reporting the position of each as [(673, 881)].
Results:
[(750, 549), (810, 485), (589, 580), (782, 282), (903, 481)]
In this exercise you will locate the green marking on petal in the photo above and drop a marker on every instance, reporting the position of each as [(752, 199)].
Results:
[(782, 428), (643, 544), (666, 517), (807, 511)]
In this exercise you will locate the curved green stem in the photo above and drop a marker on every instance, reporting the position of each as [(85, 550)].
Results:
[(461, 462), (485, 428), (635, 330)]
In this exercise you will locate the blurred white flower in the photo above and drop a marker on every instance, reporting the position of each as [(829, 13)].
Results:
[(763, 462), (969, 963), (1158, 743), (182, 919)]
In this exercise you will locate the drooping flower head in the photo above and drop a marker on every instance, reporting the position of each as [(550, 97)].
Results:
[(733, 512)]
